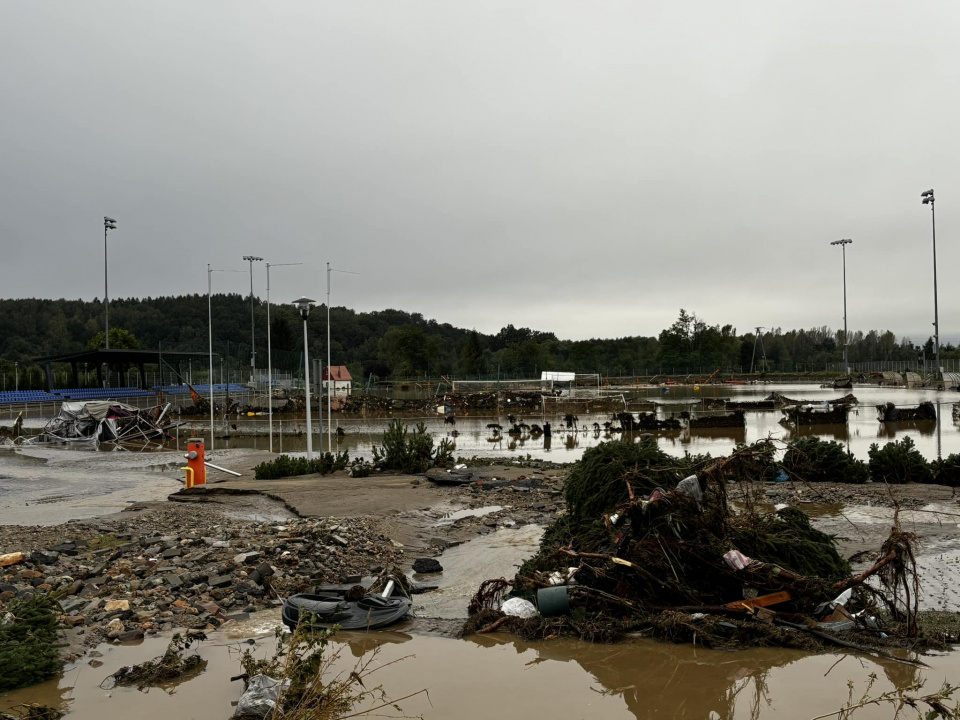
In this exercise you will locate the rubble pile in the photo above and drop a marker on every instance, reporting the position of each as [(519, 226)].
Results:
[(650, 542), (119, 581)]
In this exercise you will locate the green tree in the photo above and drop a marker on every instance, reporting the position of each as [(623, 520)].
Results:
[(471, 357), (120, 339)]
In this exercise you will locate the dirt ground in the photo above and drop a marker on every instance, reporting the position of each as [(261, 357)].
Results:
[(411, 509)]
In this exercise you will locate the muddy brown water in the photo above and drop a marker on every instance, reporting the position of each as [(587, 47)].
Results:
[(932, 438), (498, 675)]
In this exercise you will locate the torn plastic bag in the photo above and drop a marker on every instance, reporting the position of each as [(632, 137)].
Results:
[(260, 697), (518, 607), (736, 560), (690, 486)]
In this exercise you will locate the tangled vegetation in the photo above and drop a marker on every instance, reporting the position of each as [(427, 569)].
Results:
[(29, 642), (899, 462), (168, 668), (286, 466), (411, 452), (32, 711), (814, 460), (300, 670), (654, 546)]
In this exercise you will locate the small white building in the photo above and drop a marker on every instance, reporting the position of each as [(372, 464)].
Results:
[(337, 380)]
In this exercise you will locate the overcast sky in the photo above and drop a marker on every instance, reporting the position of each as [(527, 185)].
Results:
[(580, 167)]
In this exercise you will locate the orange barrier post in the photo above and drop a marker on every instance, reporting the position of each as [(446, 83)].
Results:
[(196, 460)]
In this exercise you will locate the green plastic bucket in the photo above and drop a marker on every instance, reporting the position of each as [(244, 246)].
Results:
[(553, 601)]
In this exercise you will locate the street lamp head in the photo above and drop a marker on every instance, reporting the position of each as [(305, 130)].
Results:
[(928, 200), (109, 223), (303, 305), (927, 193), (252, 258), (845, 241)]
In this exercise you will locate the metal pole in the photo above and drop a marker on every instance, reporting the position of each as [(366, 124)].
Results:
[(846, 359), (306, 389), (269, 368), (936, 316), (270, 359), (927, 198), (329, 373), (253, 346), (210, 338), (106, 291)]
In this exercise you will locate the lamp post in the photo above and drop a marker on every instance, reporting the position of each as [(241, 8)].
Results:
[(270, 358), (928, 199), (329, 377), (303, 305), (16, 376), (253, 346), (843, 246), (108, 224), (210, 272)]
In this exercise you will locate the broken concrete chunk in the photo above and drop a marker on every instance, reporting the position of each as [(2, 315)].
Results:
[(220, 581), (115, 605)]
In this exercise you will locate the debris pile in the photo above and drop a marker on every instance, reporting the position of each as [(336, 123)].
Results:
[(735, 419), (891, 413), (91, 423), (649, 542), (121, 581), (820, 414)]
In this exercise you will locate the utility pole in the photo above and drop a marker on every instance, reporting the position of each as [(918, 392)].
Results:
[(253, 346), (929, 199), (843, 246)]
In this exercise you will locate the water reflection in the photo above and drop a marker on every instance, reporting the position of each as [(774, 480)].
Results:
[(681, 681), (486, 433)]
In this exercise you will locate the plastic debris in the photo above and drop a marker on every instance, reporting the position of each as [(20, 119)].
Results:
[(260, 697), (736, 560), (518, 607)]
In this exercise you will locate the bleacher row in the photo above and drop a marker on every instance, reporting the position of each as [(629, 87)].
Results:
[(27, 396)]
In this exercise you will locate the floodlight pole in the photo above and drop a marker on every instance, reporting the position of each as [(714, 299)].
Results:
[(303, 305), (929, 199), (210, 272), (843, 246), (270, 358), (108, 224), (329, 376), (253, 346)]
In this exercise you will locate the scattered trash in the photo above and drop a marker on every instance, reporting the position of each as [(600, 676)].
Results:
[(260, 696)]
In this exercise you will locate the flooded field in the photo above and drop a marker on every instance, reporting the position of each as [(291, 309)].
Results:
[(473, 437)]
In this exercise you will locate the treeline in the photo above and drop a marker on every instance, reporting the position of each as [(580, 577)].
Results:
[(396, 344)]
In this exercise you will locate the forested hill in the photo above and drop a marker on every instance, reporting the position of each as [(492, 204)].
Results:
[(393, 343)]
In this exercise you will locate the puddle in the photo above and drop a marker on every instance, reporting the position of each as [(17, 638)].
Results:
[(465, 566), (452, 517), (498, 675)]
